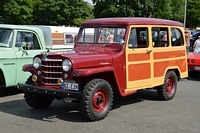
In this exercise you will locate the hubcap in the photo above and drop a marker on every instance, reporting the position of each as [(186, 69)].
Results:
[(169, 85), (100, 100)]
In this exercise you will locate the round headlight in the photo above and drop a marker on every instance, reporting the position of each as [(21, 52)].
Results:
[(36, 63), (66, 65)]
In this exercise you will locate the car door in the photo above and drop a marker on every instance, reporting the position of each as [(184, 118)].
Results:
[(26, 47), (138, 59)]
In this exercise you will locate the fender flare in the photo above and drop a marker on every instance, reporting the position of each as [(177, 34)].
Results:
[(89, 71)]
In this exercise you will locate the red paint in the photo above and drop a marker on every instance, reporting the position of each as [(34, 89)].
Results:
[(100, 100), (130, 21), (193, 61)]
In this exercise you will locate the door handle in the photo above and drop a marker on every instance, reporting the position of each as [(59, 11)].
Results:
[(148, 51)]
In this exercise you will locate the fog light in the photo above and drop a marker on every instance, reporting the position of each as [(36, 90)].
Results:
[(34, 78), (60, 81)]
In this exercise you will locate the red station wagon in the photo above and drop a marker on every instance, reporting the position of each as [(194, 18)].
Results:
[(111, 56)]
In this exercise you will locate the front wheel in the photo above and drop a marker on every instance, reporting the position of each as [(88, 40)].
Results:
[(96, 99), (168, 89), (37, 101)]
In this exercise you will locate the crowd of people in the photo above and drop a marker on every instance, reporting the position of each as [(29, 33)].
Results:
[(196, 46)]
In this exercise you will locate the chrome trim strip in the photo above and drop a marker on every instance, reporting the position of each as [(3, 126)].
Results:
[(51, 66), (58, 60), (52, 72), (48, 77)]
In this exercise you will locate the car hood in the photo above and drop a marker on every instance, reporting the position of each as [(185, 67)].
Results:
[(85, 59)]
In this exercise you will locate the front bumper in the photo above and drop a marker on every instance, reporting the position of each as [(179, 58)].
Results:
[(47, 91)]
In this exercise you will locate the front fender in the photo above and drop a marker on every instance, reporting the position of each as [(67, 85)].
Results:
[(28, 68), (90, 71)]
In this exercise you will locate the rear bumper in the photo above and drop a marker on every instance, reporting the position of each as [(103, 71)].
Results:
[(51, 92)]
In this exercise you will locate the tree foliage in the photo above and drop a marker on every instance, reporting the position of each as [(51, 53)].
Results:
[(74, 12), (165, 9), (45, 12), (18, 12), (193, 15)]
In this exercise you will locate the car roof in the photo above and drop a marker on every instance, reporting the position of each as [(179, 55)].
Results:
[(123, 21), (25, 27)]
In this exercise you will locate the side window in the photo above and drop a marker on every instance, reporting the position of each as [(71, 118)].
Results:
[(160, 37), (176, 37), (29, 39), (138, 38)]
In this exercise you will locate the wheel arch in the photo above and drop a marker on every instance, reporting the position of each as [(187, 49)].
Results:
[(2, 78), (109, 76), (176, 70)]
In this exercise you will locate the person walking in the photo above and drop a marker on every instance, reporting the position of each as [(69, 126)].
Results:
[(196, 45)]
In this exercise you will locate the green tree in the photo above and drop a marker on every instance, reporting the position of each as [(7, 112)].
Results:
[(193, 15), (162, 9), (62, 12), (177, 9), (17, 12)]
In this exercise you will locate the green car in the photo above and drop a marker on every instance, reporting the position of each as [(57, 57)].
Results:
[(18, 45)]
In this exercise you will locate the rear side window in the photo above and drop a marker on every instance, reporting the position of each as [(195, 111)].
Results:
[(176, 37), (138, 38), (160, 37)]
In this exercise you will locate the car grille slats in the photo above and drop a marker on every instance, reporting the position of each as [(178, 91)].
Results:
[(51, 70)]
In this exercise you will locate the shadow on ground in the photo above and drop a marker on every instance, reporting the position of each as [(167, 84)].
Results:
[(9, 91), (68, 111)]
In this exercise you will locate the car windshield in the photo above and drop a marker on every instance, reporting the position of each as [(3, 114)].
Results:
[(102, 35), (6, 38)]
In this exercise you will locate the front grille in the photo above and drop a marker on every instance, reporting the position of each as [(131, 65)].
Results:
[(51, 71)]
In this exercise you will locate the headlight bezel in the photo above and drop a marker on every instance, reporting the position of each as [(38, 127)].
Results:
[(66, 65), (37, 62)]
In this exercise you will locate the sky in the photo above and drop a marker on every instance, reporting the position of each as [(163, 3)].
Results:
[(89, 1)]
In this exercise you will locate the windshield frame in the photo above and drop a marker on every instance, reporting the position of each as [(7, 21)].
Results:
[(91, 35)]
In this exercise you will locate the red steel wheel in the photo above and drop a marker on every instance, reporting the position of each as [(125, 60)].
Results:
[(97, 98), (100, 100), (168, 90)]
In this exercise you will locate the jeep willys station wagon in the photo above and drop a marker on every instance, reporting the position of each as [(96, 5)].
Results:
[(111, 56)]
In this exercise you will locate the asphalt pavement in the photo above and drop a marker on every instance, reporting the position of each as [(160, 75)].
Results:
[(142, 112)]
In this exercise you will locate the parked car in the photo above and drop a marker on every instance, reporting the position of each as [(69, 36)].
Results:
[(194, 64), (94, 71), (19, 44)]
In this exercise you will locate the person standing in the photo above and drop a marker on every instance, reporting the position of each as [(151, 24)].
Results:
[(110, 38), (196, 45), (188, 35)]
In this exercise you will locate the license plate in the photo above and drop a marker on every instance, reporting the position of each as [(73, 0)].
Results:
[(196, 68), (70, 86)]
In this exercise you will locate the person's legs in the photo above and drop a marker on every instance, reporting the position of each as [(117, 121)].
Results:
[(187, 49)]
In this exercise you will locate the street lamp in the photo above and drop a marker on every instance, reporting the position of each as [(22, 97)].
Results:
[(185, 13)]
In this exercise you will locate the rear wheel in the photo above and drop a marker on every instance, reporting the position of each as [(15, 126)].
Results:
[(37, 101), (96, 99), (168, 89)]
